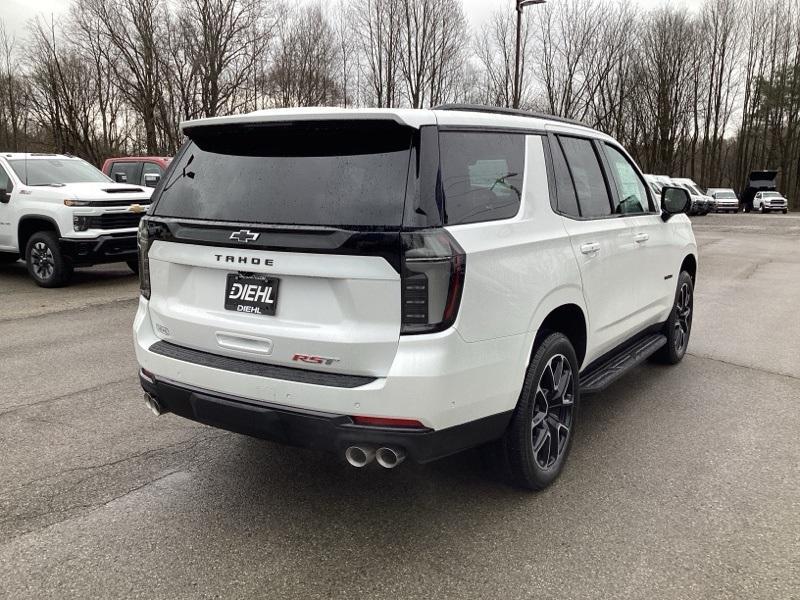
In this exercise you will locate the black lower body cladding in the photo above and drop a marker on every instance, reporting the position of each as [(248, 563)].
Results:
[(317, 430)]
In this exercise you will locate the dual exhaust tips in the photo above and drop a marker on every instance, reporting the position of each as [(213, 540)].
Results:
[(387, 456), (358, 456)]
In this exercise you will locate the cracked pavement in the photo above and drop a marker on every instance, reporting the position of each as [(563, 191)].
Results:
[(683, 482)]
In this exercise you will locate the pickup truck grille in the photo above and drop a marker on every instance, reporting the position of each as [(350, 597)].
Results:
[(115, 221)]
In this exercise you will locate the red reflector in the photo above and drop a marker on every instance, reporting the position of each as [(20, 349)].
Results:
[(384, 422)]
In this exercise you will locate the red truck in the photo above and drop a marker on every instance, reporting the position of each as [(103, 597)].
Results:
[(137, 170)]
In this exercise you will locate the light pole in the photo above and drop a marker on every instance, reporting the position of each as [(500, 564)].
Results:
[(520, 5)]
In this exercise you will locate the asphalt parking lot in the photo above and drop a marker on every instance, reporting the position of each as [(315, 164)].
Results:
[(683, 482)]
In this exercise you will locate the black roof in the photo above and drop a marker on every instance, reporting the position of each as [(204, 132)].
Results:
[(507, 111)]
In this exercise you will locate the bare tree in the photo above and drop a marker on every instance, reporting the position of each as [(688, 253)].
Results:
[(305, 62), (219, 39), (379, 37), (135, 28)]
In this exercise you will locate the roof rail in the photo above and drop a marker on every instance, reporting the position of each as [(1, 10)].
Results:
[(507, 111)]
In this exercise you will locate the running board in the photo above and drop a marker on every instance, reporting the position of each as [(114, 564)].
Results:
[(600, 377)]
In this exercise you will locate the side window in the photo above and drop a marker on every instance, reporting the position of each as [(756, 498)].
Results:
[(151, 173), (482, 175), (126, 172), (590, 185), (565, 189), (631, 191)]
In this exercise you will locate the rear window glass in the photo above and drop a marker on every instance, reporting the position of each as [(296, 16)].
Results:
[(482, 175), (314, 173), (723, 195)]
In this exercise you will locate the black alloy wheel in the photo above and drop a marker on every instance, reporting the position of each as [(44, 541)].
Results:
[(552, 412), (683, 312), (42, 261), (536, 444), (46, 264)]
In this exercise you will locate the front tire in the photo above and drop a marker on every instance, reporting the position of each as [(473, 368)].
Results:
[(678, 327), (47, 265), (785, 211), (537, 441)]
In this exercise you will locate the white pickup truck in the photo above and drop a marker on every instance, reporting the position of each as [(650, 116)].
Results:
[(58, 212)]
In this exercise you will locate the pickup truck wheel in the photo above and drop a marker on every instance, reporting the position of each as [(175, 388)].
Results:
[(761, 208), (133, 265), (785, 211), (537, 441), (678, 327), (46, 264)]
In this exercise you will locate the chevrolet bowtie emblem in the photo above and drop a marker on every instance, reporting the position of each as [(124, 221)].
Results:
[(244, 235), (136, 208)]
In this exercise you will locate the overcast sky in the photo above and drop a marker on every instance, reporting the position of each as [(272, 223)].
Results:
[(15, 13)]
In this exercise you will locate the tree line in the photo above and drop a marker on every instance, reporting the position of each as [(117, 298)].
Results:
[(710, 94)]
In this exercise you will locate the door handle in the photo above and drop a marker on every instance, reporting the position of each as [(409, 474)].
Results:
[(590, 248), (641, 237)]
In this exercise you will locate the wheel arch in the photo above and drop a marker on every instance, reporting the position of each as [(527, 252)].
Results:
[(689, 265), (562, 311), (30, 224)]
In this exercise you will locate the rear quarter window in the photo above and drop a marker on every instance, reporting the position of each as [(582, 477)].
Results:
[(482, 175)]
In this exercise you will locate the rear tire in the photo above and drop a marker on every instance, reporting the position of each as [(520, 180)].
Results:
[(537, 441), (133, 265), (678, 327), (47, 265)]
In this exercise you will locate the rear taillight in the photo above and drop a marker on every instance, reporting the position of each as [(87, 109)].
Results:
[(143, 240), (432, 281)]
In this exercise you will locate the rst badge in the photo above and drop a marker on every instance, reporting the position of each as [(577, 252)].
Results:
[(251, 294), (314, 360)]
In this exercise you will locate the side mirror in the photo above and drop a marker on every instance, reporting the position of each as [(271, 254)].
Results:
[(152, 179), (120, 177), (674, 201), (5, 195)]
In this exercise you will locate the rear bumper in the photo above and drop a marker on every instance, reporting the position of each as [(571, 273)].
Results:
[(102, 249), (313, 429), (438, 379)]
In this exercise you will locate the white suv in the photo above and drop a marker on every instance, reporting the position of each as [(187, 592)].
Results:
[(59, 212), (392, 283)]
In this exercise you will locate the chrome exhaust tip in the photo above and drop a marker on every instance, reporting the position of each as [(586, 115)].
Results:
[(153, 404), (359, 456), (389, 458)]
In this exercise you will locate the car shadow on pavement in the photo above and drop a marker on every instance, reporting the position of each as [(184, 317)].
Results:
[(290, 492)]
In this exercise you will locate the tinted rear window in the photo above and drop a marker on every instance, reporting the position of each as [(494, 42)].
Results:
[(313, 173), (482, 175)]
